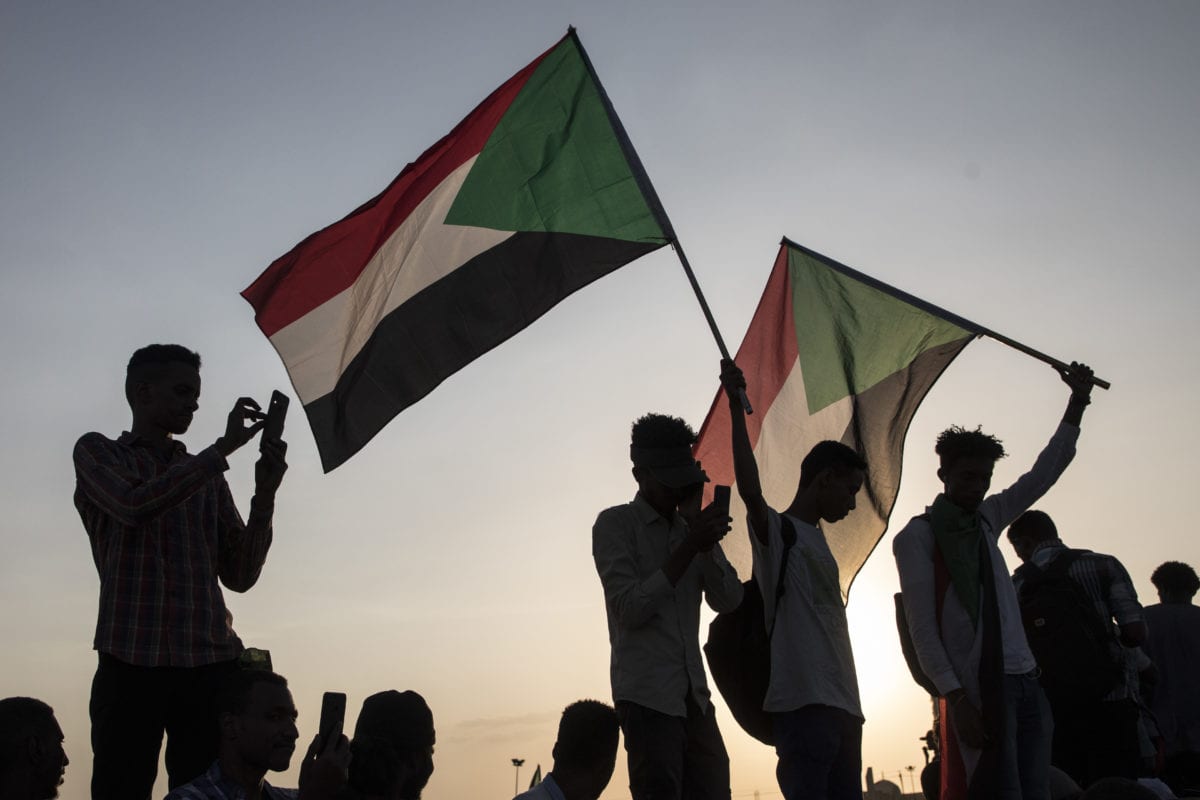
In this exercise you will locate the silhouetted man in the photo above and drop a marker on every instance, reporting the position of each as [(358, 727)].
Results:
[(32, 759), (963, 615), (392, 749), (1174, 647), (585, 754), (164, 530), (257, 720), (1094, 737), (816, 715), (656, 556)]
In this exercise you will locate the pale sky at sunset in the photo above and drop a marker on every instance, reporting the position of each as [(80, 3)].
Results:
[(1030, 166)]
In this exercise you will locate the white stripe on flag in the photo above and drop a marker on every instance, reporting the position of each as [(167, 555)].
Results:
[(319, 346)]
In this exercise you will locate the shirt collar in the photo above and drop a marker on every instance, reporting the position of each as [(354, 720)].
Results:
[(646, 513), (131, 439), (552, 787)]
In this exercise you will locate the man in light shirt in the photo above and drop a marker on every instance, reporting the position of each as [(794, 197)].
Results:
[(656, 557)]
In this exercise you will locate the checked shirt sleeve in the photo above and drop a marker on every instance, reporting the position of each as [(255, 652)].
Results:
[(132, 500), (244, 546)]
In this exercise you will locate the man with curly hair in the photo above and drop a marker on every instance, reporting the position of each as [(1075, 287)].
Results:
[(962, 611), (657, 556), (1174, 647)]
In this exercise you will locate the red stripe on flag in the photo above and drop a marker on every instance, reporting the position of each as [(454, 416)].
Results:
[(767, 356), (330, 260)]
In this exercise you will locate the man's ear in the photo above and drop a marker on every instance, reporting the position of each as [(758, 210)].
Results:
[(34, 750), (227, 722), (141, 393), (941, 475)]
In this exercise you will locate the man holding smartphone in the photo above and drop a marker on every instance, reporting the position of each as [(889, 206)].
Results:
[(165, 533), (656, 556), (258, 734)]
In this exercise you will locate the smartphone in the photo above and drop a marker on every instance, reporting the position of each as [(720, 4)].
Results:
[(276, 413), (721, 497), (333, 716)]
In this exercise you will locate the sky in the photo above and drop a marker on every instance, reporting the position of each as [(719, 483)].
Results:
[(1030, 166)]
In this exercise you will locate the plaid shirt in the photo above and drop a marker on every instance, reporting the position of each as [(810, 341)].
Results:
[(213, 785), (1107, 584), (164, 529)]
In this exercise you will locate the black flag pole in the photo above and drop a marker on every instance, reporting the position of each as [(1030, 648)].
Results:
[(656, 207), (712, 323), (962, 322)]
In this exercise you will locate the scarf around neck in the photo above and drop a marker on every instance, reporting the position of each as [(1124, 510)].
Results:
[(958, 536)]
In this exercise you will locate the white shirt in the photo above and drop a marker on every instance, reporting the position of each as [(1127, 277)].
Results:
[(948, 648), (654, 627), (811, 659)]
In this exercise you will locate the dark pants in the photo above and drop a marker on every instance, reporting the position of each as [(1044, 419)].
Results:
[(1096, 740), (132, 706), (674, 757), (820, 753), (1025, 748)]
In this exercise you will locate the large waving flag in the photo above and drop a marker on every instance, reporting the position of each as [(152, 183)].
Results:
[(537, 193), (832, 354)]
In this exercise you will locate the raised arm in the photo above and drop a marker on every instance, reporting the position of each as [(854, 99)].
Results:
[(745, 468), (1004, 507)]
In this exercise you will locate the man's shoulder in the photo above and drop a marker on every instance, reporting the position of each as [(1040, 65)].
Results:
[(915, 530), (94, 440), (624, 515), (204, 787), (275, 793)]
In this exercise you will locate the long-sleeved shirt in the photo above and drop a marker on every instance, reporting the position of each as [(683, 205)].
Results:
[(653, 627), (164, 529), (948, 647)]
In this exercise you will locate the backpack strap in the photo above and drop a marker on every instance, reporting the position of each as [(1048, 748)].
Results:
[(789, 539)]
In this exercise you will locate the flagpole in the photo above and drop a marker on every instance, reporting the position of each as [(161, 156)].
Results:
[(651, 196), (712, 323), (962, 322)]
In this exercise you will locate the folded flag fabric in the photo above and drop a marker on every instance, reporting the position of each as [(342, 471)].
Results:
[(832, 354), (537, 193)]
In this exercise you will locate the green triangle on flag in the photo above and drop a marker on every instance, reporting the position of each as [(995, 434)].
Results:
[(555, 164)]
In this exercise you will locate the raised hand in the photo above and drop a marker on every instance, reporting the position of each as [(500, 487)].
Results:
[(245, 420), (269, 469), (324, 773), (1079, 377)]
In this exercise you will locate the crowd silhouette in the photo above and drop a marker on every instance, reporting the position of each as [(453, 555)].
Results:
[(1048, 683)]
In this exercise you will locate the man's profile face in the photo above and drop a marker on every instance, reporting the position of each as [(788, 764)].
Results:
[(266, 730), (967, 480), (1022, 546), (52, 761), (839, 491), (169, 398)]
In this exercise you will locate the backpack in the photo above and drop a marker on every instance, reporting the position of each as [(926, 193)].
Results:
[(1072, 644), (739, 651)]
